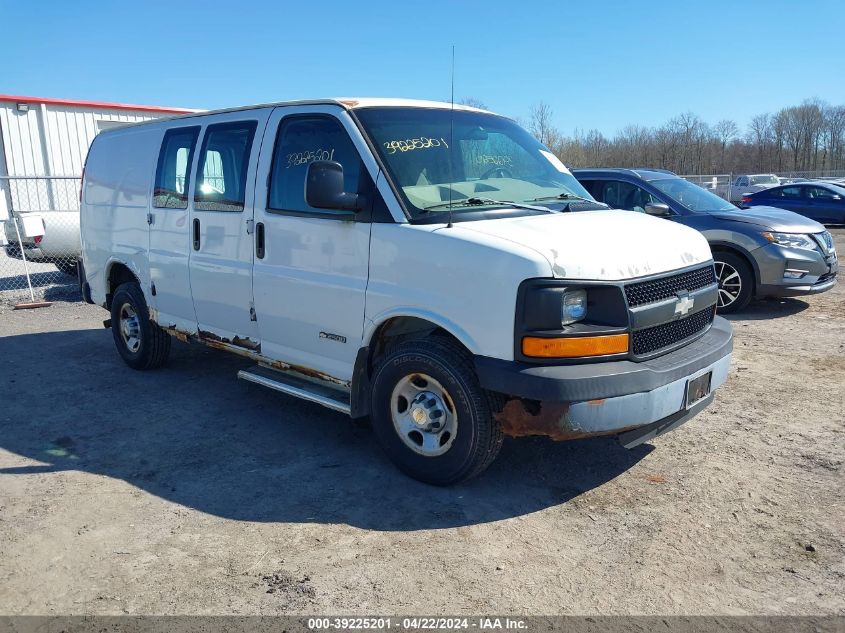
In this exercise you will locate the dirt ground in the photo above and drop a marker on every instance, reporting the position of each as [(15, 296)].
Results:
[(188, 491)]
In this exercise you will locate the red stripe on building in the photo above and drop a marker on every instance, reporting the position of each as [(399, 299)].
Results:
[(95, 104)]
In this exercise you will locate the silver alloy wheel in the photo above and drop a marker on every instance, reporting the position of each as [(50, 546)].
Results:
[(730, 284), (423, 415), (130, 327)]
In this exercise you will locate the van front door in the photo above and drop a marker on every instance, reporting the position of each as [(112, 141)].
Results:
[(221, 249), (310, 274)]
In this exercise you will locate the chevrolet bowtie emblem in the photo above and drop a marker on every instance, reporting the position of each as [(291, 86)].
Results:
[(684, 304)]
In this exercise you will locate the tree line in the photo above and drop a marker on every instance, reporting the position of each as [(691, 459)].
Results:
[(806, 137)]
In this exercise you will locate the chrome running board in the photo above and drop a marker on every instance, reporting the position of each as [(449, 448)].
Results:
[(298, 387)]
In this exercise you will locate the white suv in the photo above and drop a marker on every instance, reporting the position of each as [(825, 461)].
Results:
[(408, 261)]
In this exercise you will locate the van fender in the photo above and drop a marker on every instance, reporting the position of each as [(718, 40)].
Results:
[(360, 388), (133, 265), (371, 325)]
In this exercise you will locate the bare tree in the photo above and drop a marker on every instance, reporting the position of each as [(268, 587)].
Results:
[(834, 137), (541, 126), (760, 135), (725, 131), (473, 102)]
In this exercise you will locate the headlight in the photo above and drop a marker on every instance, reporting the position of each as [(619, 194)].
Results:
[(573, 307), (793, 240), (552, 320)]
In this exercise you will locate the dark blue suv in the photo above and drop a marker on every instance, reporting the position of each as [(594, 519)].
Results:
[(758, 252)]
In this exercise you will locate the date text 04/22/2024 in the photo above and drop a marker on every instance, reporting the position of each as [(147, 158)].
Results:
[(417, 623)]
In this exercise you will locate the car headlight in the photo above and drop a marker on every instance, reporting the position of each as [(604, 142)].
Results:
[(557, 321), (573, 307), (793, 240)]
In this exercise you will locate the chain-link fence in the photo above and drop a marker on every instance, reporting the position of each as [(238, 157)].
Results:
[(717, 183), (39, 236), (825, 174), (720, 184)]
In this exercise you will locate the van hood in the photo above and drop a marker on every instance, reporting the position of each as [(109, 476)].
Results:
[(772, 219), (601, 245)]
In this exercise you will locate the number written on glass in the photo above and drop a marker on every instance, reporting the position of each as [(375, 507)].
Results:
[(303, 158), (410, 144)]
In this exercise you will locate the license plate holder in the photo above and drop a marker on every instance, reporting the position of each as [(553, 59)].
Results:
[(698, 388)]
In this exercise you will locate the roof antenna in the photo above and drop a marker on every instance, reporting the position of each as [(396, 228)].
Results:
[(451, 137)]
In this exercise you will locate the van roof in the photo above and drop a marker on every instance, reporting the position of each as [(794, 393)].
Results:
[(350, 103)]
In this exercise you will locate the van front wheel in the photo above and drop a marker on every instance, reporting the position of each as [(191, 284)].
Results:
[(430, 415), (141, 343)]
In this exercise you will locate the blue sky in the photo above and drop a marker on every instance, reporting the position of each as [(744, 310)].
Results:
[(598, 64)]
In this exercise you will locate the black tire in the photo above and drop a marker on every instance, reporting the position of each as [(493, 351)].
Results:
[(477, 438), (149, 345), (726, 261), (68, 268)]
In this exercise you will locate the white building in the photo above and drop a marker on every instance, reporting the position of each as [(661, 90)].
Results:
[(43, 144)]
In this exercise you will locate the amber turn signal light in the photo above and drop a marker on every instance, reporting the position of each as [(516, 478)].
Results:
[(575, 346)]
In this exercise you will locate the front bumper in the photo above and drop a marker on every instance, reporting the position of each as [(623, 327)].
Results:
[(774, 260), (570, 401)]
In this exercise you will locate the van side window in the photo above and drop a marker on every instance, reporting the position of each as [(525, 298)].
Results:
[(301, 140), (174, 160), (222, 167)]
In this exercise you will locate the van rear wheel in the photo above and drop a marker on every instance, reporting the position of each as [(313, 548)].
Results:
[(141, 343), (430, 414)]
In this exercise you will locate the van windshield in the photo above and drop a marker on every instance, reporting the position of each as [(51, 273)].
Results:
[(478, 161)]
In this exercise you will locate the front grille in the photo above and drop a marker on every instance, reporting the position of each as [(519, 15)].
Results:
[(827, 238), (643, 292), (655, 338)]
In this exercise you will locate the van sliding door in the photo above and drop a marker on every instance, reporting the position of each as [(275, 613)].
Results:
[(170, 228), (221, 214)]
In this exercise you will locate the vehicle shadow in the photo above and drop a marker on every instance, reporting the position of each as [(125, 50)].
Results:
[(769, 308), (39, 279), (193, 434), (68, 292)]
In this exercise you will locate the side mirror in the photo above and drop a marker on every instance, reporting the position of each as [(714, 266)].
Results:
[(836, 196), (659, 209), (324, 188)]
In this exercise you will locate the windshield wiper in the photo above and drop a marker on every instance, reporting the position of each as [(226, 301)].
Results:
[(568, 196), (474, 202)]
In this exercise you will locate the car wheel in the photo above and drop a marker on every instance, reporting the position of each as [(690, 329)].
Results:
[(430, 414), (68, 268), (141, 343), (736, 282)]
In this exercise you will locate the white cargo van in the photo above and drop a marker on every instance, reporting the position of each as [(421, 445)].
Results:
[(405, 261)]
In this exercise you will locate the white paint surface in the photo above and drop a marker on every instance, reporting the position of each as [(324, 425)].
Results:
[(601, 245), (555, 161)]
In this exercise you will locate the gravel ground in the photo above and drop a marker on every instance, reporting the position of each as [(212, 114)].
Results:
[(188, 491)]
